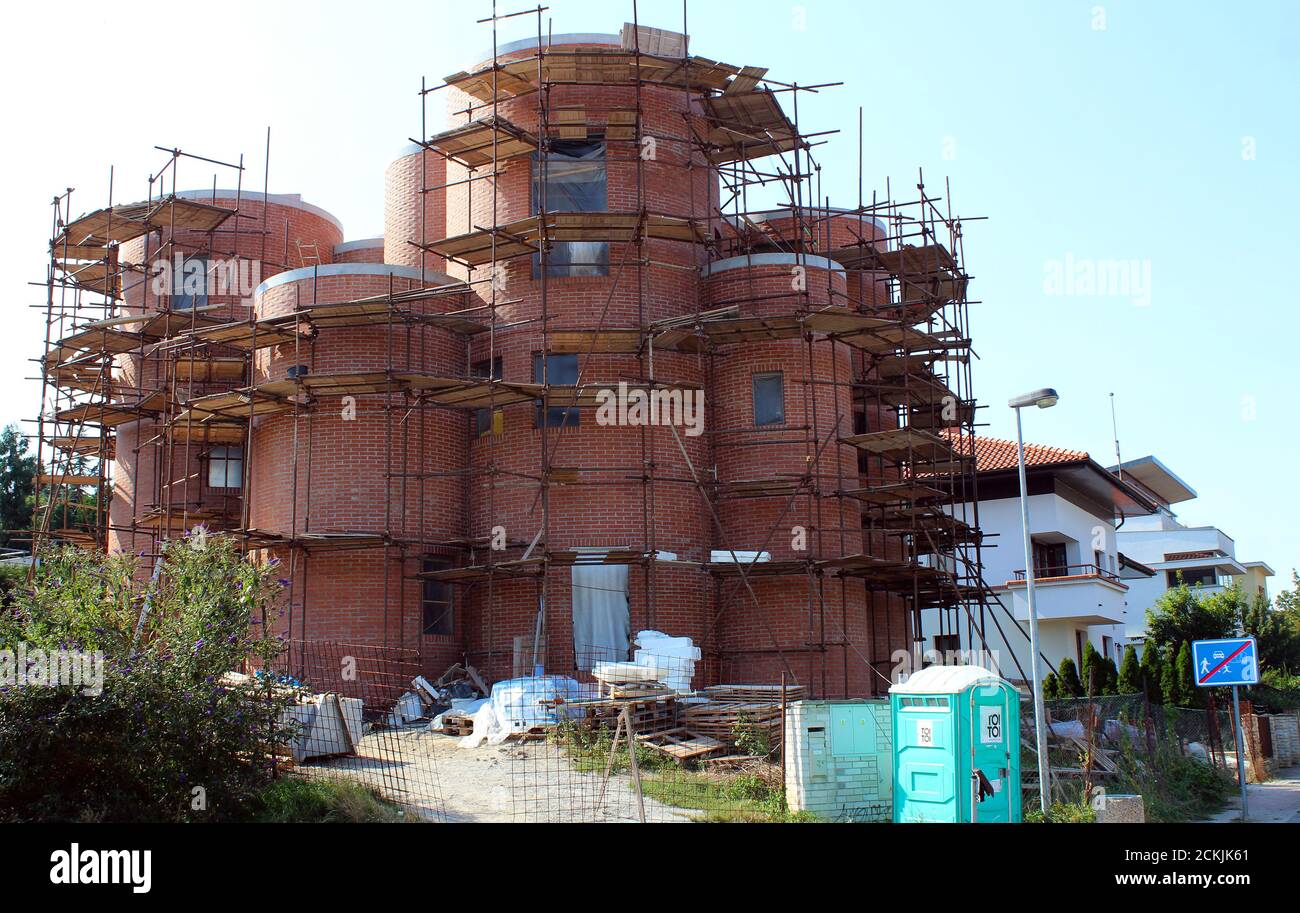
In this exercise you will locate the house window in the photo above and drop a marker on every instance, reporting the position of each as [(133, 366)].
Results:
[(557, 370), (575, 179), (226, 467), (190, 285), (486, 421), (1195, 576), (436, 602), (1050, 560), (769, 399), (947, 645)]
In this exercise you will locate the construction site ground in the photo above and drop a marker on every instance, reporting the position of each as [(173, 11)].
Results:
[(514, 782)]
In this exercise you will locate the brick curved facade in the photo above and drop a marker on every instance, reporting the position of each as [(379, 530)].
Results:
[(414, 483)]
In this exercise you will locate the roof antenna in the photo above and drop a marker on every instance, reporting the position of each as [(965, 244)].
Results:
[(1114, 424)]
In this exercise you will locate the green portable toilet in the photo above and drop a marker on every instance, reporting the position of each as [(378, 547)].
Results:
[(956, 747)]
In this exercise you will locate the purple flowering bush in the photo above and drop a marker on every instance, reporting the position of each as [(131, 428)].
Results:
[(170, 738)]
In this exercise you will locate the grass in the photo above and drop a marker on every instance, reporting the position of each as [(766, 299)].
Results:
[(323, 800)]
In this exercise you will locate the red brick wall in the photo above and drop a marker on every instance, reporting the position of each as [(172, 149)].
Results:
[(404, 223)]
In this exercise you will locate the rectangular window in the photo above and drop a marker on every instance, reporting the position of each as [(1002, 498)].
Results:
[(190, 285), (573, 178), (485, 420), (436, 602), (1205, 576), (557, 370), (226, 467), (1050, 560), (769, 399)]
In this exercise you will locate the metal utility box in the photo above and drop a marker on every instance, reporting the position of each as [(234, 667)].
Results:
[(956, 747), (839, 758)]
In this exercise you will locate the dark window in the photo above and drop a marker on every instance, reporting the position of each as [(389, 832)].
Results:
[(1205, 576), (484, 421), (226, 467), (1050, 560), (947, 644), (560, 370), (769, 399), (190, 285), (437, 602), (574, 179)]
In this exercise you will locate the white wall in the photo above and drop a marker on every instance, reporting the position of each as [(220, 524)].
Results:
[(1049, 515)]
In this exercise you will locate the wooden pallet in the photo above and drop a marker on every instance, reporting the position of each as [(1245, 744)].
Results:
[(682, 745)]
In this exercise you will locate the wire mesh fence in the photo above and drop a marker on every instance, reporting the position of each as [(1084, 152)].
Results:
[(1128, 743), (619, 741), (355, 718)]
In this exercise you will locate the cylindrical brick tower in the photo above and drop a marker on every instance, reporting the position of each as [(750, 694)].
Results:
[(415, 210), (377, 467), (154, 477)]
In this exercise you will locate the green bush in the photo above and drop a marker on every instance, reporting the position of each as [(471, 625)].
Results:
[(1130, 674), (1175, 786), (1063, 813), (1068, 679), (1153, 672), (167, 739), (1051, 687)]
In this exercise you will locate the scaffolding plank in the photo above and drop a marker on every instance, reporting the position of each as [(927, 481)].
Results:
[(83, 445), (207, 370), (110, 415), (904, 445), (524, 237), (476, 143), (620, 341), (746, 125)]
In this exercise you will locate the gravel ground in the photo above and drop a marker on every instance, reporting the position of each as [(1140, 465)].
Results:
[(514, 782)]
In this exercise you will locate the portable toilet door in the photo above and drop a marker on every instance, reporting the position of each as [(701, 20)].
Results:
[(957, 744)]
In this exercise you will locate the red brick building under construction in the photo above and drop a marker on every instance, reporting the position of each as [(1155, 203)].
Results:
[(413, 425)]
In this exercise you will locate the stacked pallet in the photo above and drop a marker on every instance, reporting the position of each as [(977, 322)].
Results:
[(730, 706)]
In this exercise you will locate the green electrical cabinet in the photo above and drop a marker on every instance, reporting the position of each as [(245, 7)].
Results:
[(956, 732)]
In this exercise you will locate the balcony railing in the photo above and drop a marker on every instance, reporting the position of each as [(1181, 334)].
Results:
[(1042, 574)]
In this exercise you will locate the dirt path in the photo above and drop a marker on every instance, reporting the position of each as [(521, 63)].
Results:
[(530, 782)]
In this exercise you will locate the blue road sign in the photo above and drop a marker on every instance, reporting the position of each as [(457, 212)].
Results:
[(1226, 662)]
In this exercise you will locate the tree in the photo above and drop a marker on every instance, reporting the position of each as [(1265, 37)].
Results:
[(1169, 681), (1176, 679), (1112, 677), (1152, 672), (1186, 673), (17, 485), (1068, 678), (1051, 687), (1130, 673), (1278, 634), (1091, 673), (1184, 614)]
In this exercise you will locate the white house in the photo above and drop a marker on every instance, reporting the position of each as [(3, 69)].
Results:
[(1083, 580), (1202, 556)]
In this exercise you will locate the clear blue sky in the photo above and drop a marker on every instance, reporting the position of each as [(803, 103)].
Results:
[(1168, 136)]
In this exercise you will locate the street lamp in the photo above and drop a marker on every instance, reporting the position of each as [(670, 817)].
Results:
[(1043, 399)]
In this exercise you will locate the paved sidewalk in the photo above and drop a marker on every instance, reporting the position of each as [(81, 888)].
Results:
[(1275, 802)]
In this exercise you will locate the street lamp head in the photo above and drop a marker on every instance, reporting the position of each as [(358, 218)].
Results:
[(1043, 399)]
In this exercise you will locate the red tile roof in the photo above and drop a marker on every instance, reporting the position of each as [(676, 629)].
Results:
[(992, 454)]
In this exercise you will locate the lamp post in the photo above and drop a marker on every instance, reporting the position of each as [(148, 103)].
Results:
[(1043, 399)]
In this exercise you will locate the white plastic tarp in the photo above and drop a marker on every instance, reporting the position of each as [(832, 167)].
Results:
[(602, 622)]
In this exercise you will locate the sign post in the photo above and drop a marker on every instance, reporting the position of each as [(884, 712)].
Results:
[(1229, 663)]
